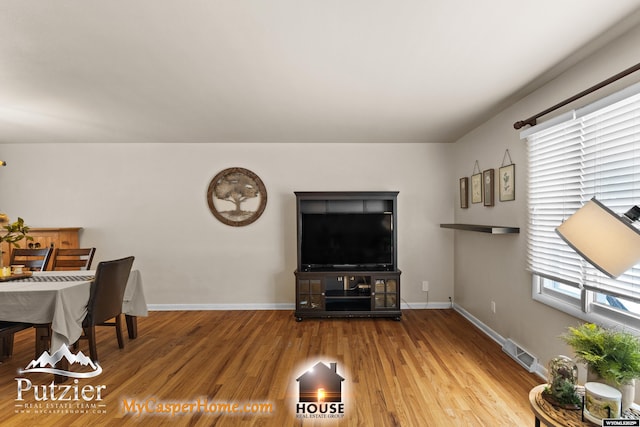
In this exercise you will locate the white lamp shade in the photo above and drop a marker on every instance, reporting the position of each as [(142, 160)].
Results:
[(602, 238)]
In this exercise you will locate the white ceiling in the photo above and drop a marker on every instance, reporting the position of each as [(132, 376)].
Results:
[(279, 70)]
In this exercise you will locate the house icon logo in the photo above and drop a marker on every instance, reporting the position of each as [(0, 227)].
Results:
[(320, 392)]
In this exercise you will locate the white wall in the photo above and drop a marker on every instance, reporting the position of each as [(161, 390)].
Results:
[(149, 200), (493, 267)]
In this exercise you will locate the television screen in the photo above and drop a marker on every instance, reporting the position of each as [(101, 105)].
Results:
[(346, 240)]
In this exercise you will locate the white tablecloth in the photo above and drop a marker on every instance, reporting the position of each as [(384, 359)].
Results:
[(63, 304), (134, 303)]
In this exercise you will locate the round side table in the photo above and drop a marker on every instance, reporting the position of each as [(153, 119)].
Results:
[(552, 416)]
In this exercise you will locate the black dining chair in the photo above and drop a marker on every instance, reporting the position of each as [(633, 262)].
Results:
[(105, 301), (7, 332), (33, 259), (72, 258)]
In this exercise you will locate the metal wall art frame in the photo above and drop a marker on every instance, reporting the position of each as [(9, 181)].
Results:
[(236, 196)]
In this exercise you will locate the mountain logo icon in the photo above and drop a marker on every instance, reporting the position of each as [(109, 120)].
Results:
[(47, 363)]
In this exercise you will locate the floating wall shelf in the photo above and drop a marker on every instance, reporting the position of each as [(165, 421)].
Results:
[(492, 229)]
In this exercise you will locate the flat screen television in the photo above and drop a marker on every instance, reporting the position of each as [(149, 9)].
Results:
[(352, 241)]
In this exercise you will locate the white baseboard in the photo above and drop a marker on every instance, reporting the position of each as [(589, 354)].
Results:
[(424, 305), (537, 369), (213, 307), (275, 306), (484, 328)]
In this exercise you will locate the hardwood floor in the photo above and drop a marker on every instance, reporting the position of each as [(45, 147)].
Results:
[(432, 368)]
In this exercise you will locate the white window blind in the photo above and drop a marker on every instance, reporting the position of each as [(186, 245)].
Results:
[(594, 151)]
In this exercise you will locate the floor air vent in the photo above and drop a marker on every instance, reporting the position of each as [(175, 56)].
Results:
[(520, 355)]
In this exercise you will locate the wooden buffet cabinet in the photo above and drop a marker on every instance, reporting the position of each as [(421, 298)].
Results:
[(63, 237)]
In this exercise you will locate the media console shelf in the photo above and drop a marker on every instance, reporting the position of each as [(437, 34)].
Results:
[(492, 229), (347, 294), (347, 255)]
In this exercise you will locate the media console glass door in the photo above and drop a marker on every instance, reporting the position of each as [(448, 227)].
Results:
[(386, 293)]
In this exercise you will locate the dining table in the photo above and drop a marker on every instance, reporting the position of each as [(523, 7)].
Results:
[(60, 299)]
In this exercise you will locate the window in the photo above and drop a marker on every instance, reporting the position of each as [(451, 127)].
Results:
[(590, 152)]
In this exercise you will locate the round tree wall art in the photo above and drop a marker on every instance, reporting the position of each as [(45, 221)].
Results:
[(236, 196)]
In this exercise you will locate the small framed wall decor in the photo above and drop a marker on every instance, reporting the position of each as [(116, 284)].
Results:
[(488, 187), (507, 183), (464, 192), (476, 188), (507, 178)]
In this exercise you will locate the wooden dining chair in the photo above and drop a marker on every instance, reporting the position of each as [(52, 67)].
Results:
[(7, 331), (33, 259), (72, 258), (105, 301)]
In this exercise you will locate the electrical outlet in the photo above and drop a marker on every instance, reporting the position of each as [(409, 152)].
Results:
[(493, 307), (425, 285)]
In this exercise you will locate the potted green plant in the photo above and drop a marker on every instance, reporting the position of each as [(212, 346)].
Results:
[(14, 232), (561, 389), (612, 356)]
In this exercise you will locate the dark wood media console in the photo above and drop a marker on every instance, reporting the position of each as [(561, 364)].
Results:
[(347, 294), (368, 290)]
